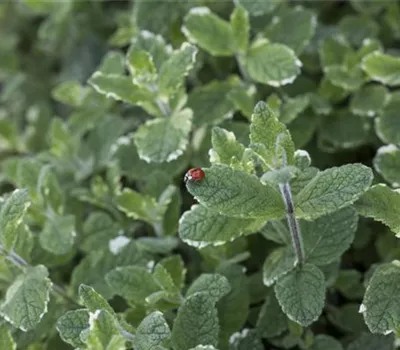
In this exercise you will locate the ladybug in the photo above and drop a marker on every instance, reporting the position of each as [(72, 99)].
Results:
[(194, 175)]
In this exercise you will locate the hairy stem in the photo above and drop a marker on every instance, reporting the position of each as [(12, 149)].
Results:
[(293, 223)]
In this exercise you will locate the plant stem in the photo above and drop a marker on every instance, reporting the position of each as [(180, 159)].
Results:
[(19, 262), (293, 223)]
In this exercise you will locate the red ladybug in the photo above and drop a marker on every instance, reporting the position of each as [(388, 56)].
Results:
[(194, 175)]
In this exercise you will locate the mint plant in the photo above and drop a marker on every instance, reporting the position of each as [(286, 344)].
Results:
[(199, 175)]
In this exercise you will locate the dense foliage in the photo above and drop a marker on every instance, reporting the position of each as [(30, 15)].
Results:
[(289, 241)]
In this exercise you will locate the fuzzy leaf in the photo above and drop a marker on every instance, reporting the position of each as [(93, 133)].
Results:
[(329, 236), (174, 70), (369, 100), (272, 64), (58, 235), (277, 264), (26, 299), (267, 131), (387, 163), (294, 28), (11, 216), (139, 206), (225, 146), (240, 29), (6, 339), (153, 331), (164, 139), (196, 323), (382, 204), (387, 125), (71, 324), (119, 87), (93, 300), (209, 102), (271, 320), (332, 189), (382, 67), (210, 32), (215, 285), (301, 294), (236, 193), (258, 8), (201, 226), (368, 341), (325, 342), (132, 282), (103, 333)]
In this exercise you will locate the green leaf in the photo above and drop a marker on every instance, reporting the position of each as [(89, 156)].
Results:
[(203, 347), (387, 163), (325, 342), (70, 92), (175, 267), (347, 318), (6, 339), (210, 32), (366, 7), (258, 8), (174, 70), (209, 102), (369, 100), (240, 28), (333, 51), (329, 236), (122, 88), (225, 146), (233, 308), (382, 204), (272, 64), (163, 278), (334, 136), (141, 66), (93, 300), (267, 131), (71, 324), (243, 99), (387, 125), (112, 63), (196, 323), (348, 283), (11, 215), (134, 283), (246, 339), (236, 193), (139, 206), (382, 67), (201, 227), (26, 299), (332, 189), (368, 341), (271, 320), (103, 332), (153, 331), (301, 294), (164, 139), (58, 235), (153, 44), (381, 303), (277, 264), (350, 79), (295, 28), (357, 28), (215, 285), (293, 107)]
